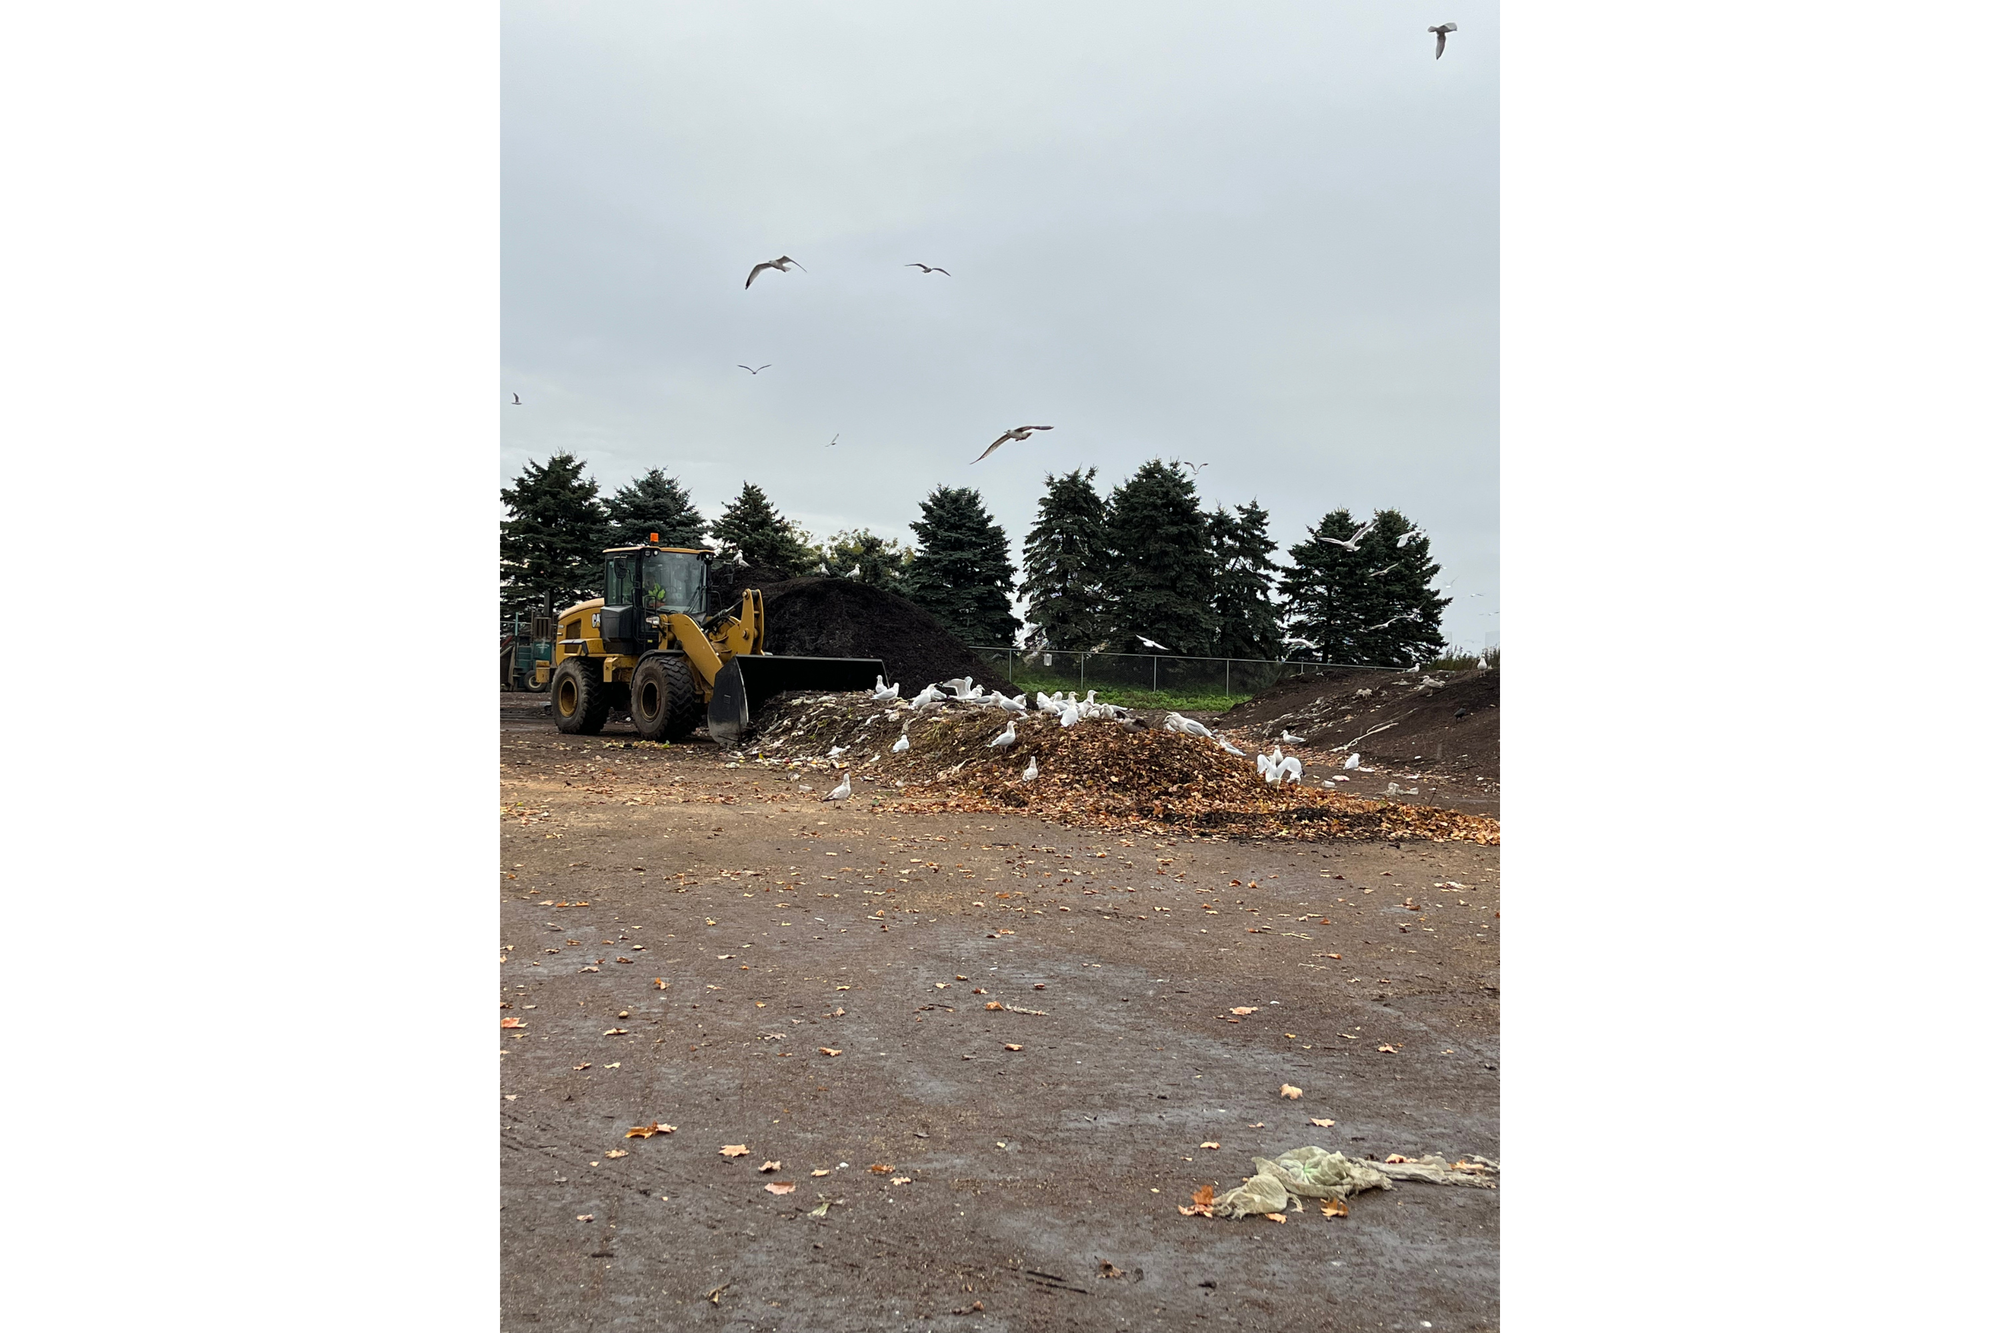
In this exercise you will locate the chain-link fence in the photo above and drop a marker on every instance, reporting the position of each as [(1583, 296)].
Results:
[(1149, 673)]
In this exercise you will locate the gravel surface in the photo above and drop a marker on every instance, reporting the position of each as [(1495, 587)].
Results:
[(781, 926)]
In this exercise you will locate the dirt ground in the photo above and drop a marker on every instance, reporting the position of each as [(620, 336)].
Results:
[(683, 939)]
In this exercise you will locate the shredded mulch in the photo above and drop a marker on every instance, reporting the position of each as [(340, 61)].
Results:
[(1389, 717), (1097, 773)]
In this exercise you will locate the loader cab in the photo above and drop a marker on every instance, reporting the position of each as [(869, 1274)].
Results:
[(643, 585)]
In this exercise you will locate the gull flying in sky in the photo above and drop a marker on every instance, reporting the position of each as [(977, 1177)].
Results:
[(783, 263), (928, 268), (835, 440), (1378, 573), (1351, 543), (1018, 433), (1441, 30), (753, 369), (517, 400)]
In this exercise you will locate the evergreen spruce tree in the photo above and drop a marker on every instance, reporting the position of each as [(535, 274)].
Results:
[(883, 561), (552, 544), (1064, 563), (960, 572), (1246, 617), (752, 527), (1162, 564), (654, 503), (1372, 606)]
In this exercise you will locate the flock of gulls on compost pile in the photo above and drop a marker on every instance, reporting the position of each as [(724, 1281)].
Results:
[(939, 749)]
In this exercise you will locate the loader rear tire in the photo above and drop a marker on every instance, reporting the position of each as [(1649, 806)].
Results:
[(665, 706), (580, 700)]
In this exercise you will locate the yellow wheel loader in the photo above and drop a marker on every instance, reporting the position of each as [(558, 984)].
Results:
[(651, 646)]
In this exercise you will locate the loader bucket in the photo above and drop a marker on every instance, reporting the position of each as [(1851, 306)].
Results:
[(747, 680)]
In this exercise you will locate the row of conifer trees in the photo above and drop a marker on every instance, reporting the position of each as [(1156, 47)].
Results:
[(1144, 568)]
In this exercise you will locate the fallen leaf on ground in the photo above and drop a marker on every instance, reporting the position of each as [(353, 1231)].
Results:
[(770, 1166), (899, 1180), (1323, 1124), (973, 1308), (1333, 1208), (1275, 1217), (618, 1152), (647, 1131), (1289, 1092), (829, 1050), (715, 1297), (615, 1032), (1105, 1268), (780, 1187), (882, 1168), (1011, 1046), (584, 1065), (1395, 1157), (659, 983), (1242, 1009), (1385, 1046), (990, 1004), (1211, 1145), (1203, 1203), (513, 1023), (735, 1150), (819, 1211), (586, 1217), (822, 1172)]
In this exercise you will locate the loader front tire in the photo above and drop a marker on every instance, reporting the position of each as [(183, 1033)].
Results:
[(665, 706), (579, 698)]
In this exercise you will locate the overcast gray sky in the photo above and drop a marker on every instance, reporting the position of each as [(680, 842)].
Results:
[(1259, 236)]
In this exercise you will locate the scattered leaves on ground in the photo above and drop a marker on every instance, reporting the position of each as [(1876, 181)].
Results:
[(1243, 1009), (1333, 1208), (770, 1166), (618, 1152), (1211, 1145), (1290, 1093), (1386, 1047), (1010, 1046), (780, 1187), (829, 1050), (513, 1023), (882, 1168), (1323, 1124), (1274, 1217), (735, 1150)]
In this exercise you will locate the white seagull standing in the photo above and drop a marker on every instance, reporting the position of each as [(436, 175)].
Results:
[(783, 263), (1004, 739), (1441, 30), (1353, 761), (902, 744), (843, 791), (1030, 773), (1018, 433)]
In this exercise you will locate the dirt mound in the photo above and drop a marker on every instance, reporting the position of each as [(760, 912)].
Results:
[(1095, 773), (832, 617), (1391, 718)]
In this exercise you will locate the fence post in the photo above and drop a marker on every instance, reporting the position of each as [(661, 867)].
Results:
[(1079, 670), (1010, 666), (1225, 677), (1156, 673)]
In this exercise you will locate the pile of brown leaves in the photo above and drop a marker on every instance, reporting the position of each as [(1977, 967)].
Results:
[(1098, 773)]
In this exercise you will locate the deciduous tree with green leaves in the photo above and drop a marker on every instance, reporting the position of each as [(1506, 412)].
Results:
[(960, 572), (552, 542), (882, 561), (653, 503), (1372, 606), (1247, 622), (752, 527), (1064, 563), (1162, 567)]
